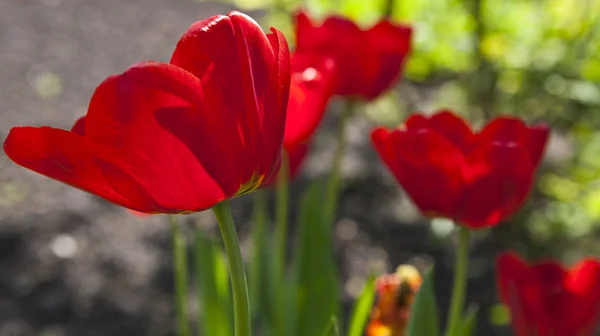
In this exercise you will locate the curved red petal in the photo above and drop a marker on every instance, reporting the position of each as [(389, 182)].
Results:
[(245, 77), (453, 128), (416, 121), (387, 46), (513, 130), (499, 180), (79, 126), (338, 38), (427, 166), (64, 156), (369, 61), (516, 289), (310, 91), (581, 313), (276, 120), (137, 155), (508, 267), (506, 129)]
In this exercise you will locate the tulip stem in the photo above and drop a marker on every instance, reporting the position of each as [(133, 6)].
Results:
[(460, 278), (180, 277), (333, 184), (388, 11), (241, 303)]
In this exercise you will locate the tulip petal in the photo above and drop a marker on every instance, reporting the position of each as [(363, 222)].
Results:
[(500, 178), (244, 87), (510, 272), (310, 90), (368, 61), (64, 156), (583, 286), (547, 299), (452, 128), (513, 130), (505, 129), (428, 167), (387, 46), (79, 126), (136, 154)]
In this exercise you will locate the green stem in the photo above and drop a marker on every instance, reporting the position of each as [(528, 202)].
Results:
[(389, 9), (180, 275), (460, 281), (333, 184), (241, 306)]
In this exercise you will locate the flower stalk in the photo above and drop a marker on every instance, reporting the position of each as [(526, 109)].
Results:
[(241, 302), (460, 281)]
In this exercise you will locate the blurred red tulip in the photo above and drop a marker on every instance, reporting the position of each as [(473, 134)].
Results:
[(178, 137), (311, 88), (395, 295), (475, 178), (368, 61), (547, 300)]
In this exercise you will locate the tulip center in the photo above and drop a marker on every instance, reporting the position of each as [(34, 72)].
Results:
[(254, 182)]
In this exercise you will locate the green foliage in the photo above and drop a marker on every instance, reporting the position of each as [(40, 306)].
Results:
[(315, 268), (212, 285), (333, 328), (423, 319), (499, 315), (362, 308), (469, 321)]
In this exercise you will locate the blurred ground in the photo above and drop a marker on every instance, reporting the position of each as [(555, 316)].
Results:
[(72, 264)]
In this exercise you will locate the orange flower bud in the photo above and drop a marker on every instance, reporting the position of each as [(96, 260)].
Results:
[(395, 295)]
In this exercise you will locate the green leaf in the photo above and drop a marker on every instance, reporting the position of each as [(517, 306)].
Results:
[(362, 308), (259, 275), (469, 322), (332, 328), (315, 268), (423, 320), (212, 283), (499, 315)]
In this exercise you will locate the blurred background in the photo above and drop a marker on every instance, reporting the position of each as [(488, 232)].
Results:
[(73, 264)]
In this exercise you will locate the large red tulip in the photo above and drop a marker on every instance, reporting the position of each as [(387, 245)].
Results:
[(178, 137), (368, 61), (475, 178), (546, 299)]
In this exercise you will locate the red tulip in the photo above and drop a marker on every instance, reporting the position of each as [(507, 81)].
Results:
[(310, 90), (178, 137), (475, 178), (547, 300), (368, 61)]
